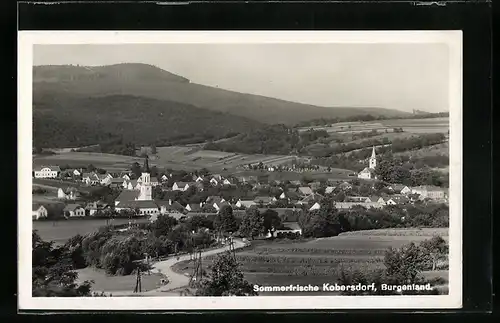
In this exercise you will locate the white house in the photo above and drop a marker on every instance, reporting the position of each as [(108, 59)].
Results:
[(305, 190), (194, 207), (316, 206), (245, 203), (329, 189), (39, 211), (289, 227), (69, 194), (181, 186), (199, 179), (400, 189), (226, 182), (76, 172), (369, 172), (74, 210), (214, 181), (126, 177), (429, 191), (164, 178), (47, 172)]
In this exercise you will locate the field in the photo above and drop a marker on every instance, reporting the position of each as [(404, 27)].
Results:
[(319, 261), (414, 126), (196, 157), (109, 162), (60, 231), (105, 283)]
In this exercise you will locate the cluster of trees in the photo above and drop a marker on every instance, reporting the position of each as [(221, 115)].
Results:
[(329, 221), (274, 139), (122, 253), (403, 266), (396, 170), (53, 270), (117, 122)]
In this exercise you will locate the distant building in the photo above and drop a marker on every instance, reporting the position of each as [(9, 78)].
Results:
[(400, 189), (39, 212), (70, 193), (429, 191), (47, 171), (181, 186), (74, 210), (369, 172), (245, 203)]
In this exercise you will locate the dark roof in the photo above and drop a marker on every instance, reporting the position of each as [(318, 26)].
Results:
[(71, 207), (127, 195), (264, 199), (214, 199), (153, 180), (175, 206), (137, 204), (36, 206), (190, 214), (194, 207), (117, 180), (286, 214)]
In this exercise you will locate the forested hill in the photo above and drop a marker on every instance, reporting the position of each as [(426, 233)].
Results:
[(67, 121), (151, 82)]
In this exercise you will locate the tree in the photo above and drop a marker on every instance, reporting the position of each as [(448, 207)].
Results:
[(272, 221), (404, 265), (136, 169), (207, 208), (323, 222), (252, 223), (435, 249), (226, 279), (225, 221), (163, 225), (53, 274), (153, 149)]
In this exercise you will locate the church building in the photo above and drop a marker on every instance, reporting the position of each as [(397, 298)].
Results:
[(369, 172), (139, 199)]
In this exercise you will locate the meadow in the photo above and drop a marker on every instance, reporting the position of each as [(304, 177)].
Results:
[(414, 126), (318, 261)]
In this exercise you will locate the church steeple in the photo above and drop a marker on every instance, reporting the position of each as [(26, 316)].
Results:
[(373, 159), (146, 164)]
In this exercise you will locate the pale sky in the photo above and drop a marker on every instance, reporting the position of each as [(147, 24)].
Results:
[(393, 76)]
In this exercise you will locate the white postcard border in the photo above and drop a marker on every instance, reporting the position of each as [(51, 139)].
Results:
[(26, 40)]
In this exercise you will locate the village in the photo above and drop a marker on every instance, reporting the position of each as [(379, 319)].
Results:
[(184, 195)]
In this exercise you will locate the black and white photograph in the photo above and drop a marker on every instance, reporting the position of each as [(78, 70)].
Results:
[(249, 170)]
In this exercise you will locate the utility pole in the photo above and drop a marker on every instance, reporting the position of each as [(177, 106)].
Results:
[(138, 285)]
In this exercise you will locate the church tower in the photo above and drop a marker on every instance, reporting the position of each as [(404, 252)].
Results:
[(146, 189), (373, 160)]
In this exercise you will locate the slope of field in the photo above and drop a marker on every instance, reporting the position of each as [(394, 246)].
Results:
[(151, 82), (319, 261), (413, 126), (63, 120)]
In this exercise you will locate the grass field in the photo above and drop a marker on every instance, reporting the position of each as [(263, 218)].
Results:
[(60, 231), (319, 261), (109, 162), (415, 126), (105, 283)]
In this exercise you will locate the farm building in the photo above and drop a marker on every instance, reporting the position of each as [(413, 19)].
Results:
[(144, 207), (74, 210), (194, 207), (289, 227), (305, 190), (400, 189), (167, 207), (70, 193), (182, 186), (245, 203), (39, 211), (431, 192), (47, 171), (94, 207), (348, 205)]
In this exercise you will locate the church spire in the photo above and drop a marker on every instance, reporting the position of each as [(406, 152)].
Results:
[(373, 152), (146, 164)]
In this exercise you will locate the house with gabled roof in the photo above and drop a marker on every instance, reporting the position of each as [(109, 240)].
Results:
[(345, 186), (74, 210), (305, 190), (431, 192), (70, 193), (182, 186), (245, 203), (400, 189), (329, 189), (39, 211), (397, 199), (194, 207)]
